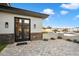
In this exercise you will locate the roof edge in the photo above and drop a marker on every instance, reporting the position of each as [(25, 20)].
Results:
[(36, 14)]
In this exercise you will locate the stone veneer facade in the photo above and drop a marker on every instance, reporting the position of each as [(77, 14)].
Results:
[(7, 38), (10, 38)]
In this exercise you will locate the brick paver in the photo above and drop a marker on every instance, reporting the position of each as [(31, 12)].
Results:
[(56, 47)]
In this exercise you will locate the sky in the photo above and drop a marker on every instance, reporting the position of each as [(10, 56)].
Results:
[(60, 14)]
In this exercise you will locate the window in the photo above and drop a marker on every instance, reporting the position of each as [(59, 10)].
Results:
[(34, 26), (6, 24)]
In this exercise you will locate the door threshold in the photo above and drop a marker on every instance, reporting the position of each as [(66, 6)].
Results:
[(21, 43)]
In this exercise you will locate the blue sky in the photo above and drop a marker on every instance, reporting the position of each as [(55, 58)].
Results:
[(60, 14)]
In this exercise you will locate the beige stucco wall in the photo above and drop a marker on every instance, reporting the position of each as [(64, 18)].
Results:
[(7, 17)]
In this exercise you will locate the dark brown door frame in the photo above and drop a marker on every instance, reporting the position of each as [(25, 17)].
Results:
[(29, 26)]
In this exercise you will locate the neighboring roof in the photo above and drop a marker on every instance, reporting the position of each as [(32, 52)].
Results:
[(22, 12)]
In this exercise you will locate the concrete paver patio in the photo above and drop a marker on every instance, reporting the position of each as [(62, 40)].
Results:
[(56, 47)]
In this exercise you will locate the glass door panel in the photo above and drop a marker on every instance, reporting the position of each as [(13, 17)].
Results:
[(26, 29), (22, 29)]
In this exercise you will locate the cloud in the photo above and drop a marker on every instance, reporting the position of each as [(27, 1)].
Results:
[(63, 12), (77, 17), (48, 11), (70, 6)]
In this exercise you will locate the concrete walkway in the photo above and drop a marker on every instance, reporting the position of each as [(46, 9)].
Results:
[(56, 47)]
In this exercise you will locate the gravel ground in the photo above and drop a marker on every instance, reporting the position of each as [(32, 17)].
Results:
[(56, 47)]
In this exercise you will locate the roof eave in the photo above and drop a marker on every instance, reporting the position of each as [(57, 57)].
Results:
[(22, 12)]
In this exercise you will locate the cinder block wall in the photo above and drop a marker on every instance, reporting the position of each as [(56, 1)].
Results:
[(50, 35)]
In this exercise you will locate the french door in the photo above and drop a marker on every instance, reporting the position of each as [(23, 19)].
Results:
[(22, 29)]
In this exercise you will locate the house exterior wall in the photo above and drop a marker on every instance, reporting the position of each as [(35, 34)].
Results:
[(7, 17)]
